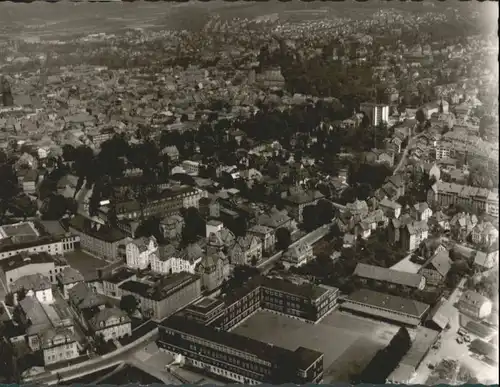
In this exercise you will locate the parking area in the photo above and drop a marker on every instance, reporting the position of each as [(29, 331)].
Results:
[(348, 342), (85, 263)]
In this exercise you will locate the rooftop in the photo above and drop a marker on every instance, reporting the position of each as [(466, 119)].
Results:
[(161, 289), (388, 275), (389, 302), (301, 358)]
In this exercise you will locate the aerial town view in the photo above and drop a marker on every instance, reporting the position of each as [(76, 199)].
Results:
[(249, 192)]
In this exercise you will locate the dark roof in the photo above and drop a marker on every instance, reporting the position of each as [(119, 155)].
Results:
[(389, 302), (441, 262), (301, 358), (23, 259), (104, 233), (308, 291), (388, 275), (119, 276), (161, 289), (484, 348)]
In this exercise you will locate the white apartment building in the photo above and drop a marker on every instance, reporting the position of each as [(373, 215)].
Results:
[(377, 113), (138, 252), (191, 167)]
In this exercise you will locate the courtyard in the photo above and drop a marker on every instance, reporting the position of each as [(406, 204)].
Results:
[(348, 342), (85, 263)]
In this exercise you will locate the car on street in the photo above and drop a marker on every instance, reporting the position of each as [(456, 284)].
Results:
[(467, 339), (460, 340), (462, 332), (431, 366)]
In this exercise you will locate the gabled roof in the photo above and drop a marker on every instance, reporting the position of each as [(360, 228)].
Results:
[(474, 298), (388, 275), (440, 261)]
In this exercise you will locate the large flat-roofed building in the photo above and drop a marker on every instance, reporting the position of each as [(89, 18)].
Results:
[(163, 297), (205, 311), (301, 301), (447, 194), (27, 237), (236, 357), (98, 239), (386, 307), (20, 265), (168, 202)]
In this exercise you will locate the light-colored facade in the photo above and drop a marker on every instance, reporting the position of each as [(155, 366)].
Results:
[(447, 194), (246, 249), (59, 345), (99, 240), (377, 113), (13, 268), (475, 305), (139, 252), (111, 324)]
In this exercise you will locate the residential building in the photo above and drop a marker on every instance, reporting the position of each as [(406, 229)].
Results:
[(245, 250), (169, 202), (296, 202), (421, 211), (111, 281), (369, 274), (387, 307), (30, 182), (49, 329), (191, 167), (265, 234), (377, 113), (171, 260), (486, 260), (15, 267), (67, 279), (475, 305), (33, 285), (448, 194), (298, 254), (275, 219), (413, 234), (172, 226), (58, 345), (484, 234), (96, 238), (436, 268), (462, 225), (139, 251), (159, 299), (172, 152), (213, 270), (236, 357), (111, 324), (391, 208)]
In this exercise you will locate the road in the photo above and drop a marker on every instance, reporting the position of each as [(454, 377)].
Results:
[(93, 365), (452, 350), (310, 238), (405, 152)]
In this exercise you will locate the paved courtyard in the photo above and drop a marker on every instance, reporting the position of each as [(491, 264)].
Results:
[(348, 342), (84, 263)]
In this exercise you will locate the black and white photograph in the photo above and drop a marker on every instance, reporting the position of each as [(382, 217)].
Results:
[(249, 192)]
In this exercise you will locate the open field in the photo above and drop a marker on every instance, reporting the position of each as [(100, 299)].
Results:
[(348, 342)]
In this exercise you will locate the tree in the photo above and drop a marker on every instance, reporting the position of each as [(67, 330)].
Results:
[(283, 238), (254, 261), (310, 218), (386, 360), (420, 116), (128, 303)]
